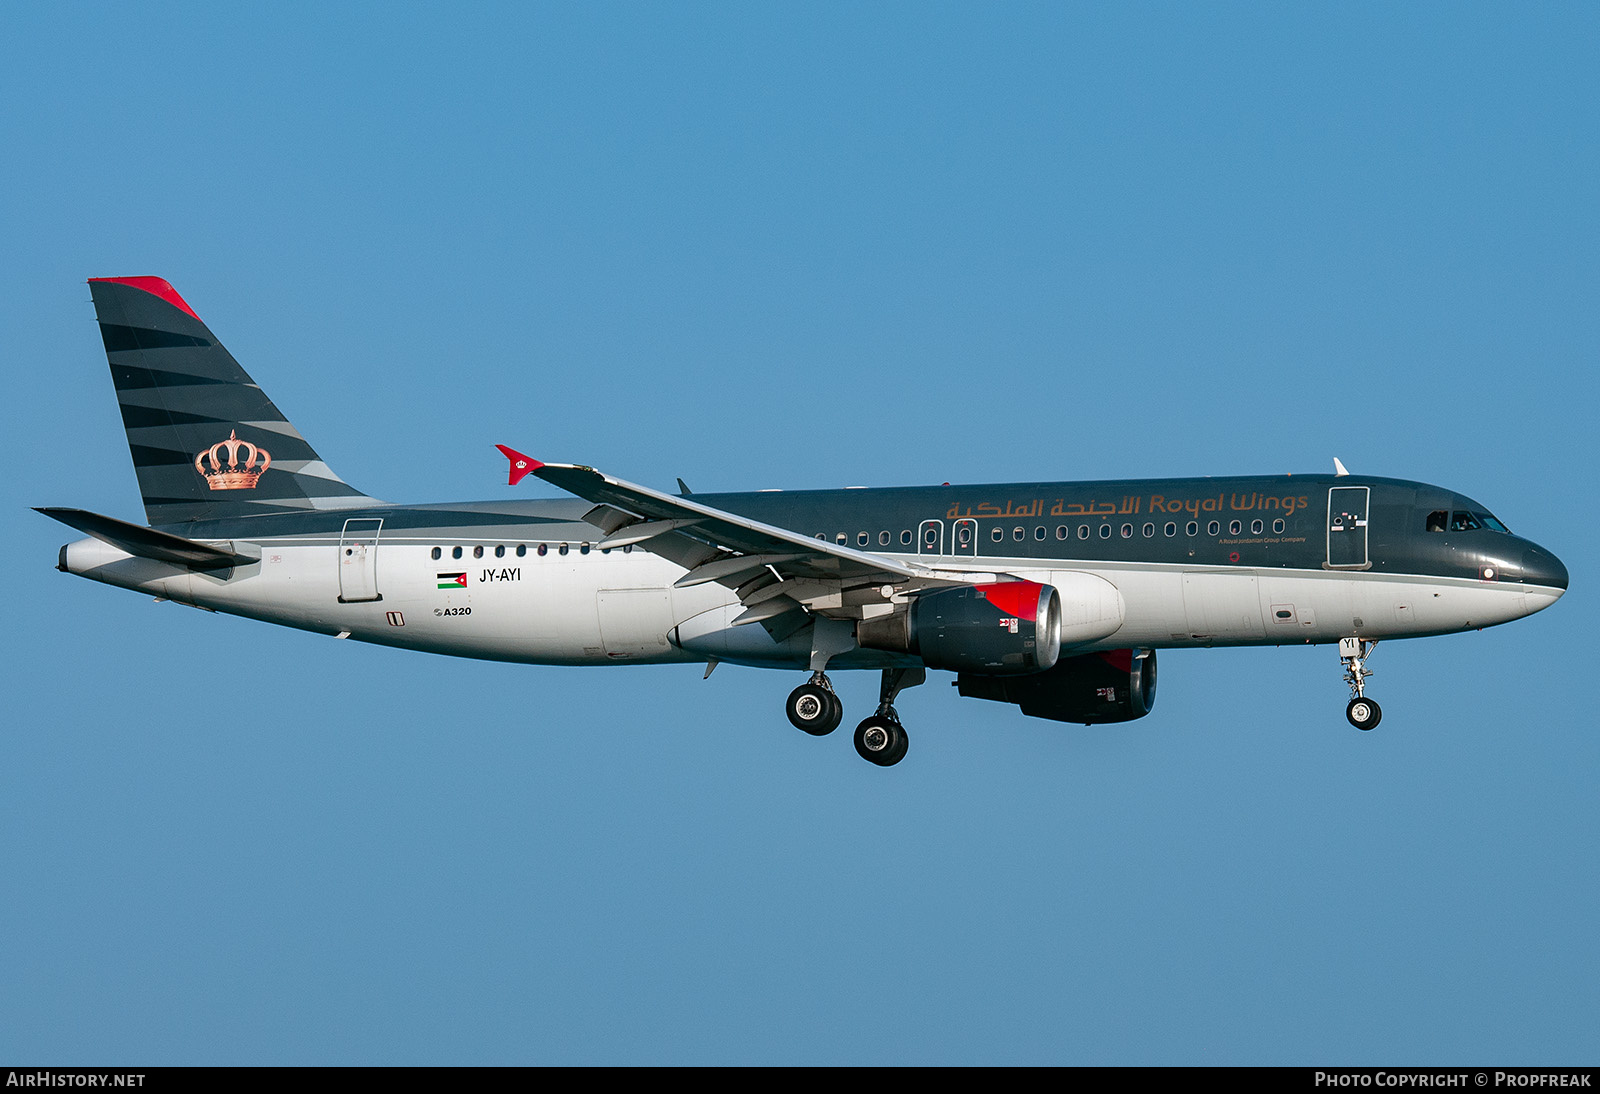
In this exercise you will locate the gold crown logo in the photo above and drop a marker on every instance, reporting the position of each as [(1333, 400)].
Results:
[(231, 476)]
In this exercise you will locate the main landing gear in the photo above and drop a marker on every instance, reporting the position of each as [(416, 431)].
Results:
[(880, 739), (1363, 713), (814, 707)]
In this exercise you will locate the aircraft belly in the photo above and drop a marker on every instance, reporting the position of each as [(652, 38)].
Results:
[(1166, 607), (1223, 606), (539, 611)]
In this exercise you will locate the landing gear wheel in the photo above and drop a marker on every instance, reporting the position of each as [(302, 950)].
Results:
[(1363, 713), (815, 709), (881, 741)]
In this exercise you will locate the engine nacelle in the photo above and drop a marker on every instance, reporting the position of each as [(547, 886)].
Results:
[(1006, 628), (1116, 686)]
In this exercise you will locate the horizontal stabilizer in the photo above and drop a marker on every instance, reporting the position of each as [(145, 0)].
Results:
[(149, 543)]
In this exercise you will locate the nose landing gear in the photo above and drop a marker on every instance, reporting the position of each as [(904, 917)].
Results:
[(1362, 712)]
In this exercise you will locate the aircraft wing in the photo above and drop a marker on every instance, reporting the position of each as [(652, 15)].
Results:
[(774, 570)]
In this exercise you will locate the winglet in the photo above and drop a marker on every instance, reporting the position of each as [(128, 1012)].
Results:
[(521, 466), (1338, 468)]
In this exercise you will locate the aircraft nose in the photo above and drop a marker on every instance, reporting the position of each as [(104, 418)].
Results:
[(1540, 567)]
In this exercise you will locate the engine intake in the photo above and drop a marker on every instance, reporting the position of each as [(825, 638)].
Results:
[(1008, 628), (1116, 686)]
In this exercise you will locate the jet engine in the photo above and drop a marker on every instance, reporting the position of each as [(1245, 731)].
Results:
[(1006, 628), (1115, 686)]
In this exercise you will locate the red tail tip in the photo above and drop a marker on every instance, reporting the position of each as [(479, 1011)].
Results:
[(521, 466), (155, 286)]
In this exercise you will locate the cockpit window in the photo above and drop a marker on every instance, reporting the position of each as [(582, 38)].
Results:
[(1493, 524), (1463, 521), (1438, 519)]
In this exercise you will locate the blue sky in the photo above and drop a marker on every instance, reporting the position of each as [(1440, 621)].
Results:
[(773, 246)]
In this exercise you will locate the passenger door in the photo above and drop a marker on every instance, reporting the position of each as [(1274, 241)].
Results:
[(358, 560), (1347, 527)]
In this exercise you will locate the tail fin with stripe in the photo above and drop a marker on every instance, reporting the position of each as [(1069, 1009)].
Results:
[(206, 441)]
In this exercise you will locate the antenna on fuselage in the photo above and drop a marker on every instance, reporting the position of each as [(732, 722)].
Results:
[(1338, 468)]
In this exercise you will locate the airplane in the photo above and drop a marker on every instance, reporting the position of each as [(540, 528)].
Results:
[(1050, 596)]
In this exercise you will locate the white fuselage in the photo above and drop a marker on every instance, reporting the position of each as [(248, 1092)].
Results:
[(588, 607)]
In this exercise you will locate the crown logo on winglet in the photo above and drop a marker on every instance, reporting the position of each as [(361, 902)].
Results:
[(231, 476)]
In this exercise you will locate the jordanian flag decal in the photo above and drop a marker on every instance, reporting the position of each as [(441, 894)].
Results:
[(452, 581)]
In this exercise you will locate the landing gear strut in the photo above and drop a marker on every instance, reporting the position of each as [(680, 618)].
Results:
[(881, 739), (814, 707), (1363, 713)]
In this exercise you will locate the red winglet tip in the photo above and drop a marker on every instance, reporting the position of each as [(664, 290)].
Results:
[(155, 286), (521, 466)]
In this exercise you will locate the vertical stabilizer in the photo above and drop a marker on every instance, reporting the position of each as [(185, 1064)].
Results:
[(207, 443)]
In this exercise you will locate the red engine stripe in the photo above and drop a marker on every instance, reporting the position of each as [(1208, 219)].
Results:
[(1018, 598)]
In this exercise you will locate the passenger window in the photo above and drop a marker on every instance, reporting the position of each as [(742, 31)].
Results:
[(1256, 527), (544, 549), (1463, 521), (1083, 531), (455, 552), (1234, 527), (561, 550), (522, 549), (1018, 534), (500, 551), (1214, 528), (1192, 528), (883, 539), (862, 539), (1149, 530), (1437, 520), (627, 548), (905, 537), (1277, 527), (477, 552), (963, 534), (1061, 531), (1105, 531), (437, 553), (997, 535), (1127, 531), (1038, 533), (841, 539), (1171, 529)]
